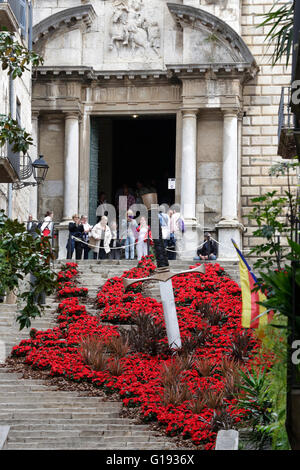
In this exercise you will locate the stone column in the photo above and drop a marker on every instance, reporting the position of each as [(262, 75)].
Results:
[(71, 179), (71, 168), (229, 226), (188, 182)]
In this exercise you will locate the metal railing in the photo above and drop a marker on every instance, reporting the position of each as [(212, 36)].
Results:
[(14, 159), (286, 125), (19, 8)]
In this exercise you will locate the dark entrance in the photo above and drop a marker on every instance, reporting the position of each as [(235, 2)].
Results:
[(131, 149)]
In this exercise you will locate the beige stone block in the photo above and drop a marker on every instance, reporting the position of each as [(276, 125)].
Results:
[(261, 100), (251, 130), (261, 120), (251, 170), (269, 150), (263, 180), (250, 191), (261, 140), (269, 130), (251, 150), (264, 79), (268, 189), (269, 110)]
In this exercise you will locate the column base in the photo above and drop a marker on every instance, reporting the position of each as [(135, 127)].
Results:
[(63, 237), (227, 230), (190, 241)]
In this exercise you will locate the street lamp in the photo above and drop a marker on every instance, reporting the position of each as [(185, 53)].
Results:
[(39, 169)]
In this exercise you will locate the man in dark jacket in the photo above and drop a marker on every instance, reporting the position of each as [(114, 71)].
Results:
[(75, 230), (209, 249)]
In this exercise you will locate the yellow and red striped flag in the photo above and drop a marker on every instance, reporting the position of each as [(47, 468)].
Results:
[(253, 314)]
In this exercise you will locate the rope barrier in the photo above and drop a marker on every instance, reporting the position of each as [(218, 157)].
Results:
[(123, 247)]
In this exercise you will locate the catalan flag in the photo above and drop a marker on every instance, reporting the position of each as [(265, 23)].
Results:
[(253, 314)]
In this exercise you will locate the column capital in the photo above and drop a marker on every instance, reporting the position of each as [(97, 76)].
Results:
[(72, 115), (191, 112), (231, 112)]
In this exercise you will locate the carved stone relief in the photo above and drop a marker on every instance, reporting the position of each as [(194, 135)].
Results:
[(131, 30)]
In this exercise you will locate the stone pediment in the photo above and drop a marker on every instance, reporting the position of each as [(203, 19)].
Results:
[(139, 36), (208, 39), (70, 16)]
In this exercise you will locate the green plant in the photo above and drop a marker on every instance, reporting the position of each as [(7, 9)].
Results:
[(276, 218), (255, 399), (281, 19), (11, 132), (274, 341), (22, 255), (16, 58)]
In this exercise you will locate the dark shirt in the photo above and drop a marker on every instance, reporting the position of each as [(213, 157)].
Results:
[(76, 230), (32, 227), (209, 248)]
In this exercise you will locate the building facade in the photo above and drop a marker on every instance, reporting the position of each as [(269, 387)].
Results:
[(153, 89), (15, 99)]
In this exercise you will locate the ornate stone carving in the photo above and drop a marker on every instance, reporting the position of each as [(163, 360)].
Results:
[(131, 30)]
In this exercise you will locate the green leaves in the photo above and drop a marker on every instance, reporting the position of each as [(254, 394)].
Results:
[(16, 58), (281, 20), (22, 255), (11, 132)]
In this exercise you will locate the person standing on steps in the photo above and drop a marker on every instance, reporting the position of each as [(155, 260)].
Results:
[(115, 244), (101, 234), (129, 234), (87, 228), (75, 230), (142, 239)]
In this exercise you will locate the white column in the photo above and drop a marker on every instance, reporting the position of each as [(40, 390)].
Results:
[(189, 164), (188, 184), (71, 170), (229, 226), (230, 166)]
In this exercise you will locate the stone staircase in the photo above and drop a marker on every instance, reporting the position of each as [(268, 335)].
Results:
[(42, 417), (95, 273)]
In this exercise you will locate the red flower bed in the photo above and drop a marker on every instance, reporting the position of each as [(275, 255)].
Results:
[(140, 382)]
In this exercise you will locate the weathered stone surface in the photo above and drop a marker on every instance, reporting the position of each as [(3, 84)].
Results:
[(227, 440)]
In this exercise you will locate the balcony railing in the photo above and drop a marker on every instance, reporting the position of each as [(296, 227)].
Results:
[(286, 126), (19, 8)]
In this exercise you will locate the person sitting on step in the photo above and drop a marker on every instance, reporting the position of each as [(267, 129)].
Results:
[(209, 249)]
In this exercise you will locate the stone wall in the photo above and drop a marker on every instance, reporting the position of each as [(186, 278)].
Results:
[(23, 200), (261, 101)]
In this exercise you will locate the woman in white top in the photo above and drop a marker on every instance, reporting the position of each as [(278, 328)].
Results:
[(47, 224), (102, 234), (85, 236), (142, 245)]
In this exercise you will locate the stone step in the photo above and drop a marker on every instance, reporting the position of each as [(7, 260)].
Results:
[(78, 441), (79, 405), (59, 414), (80, 427), (81, 422), (87, 433), (87, 446)]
